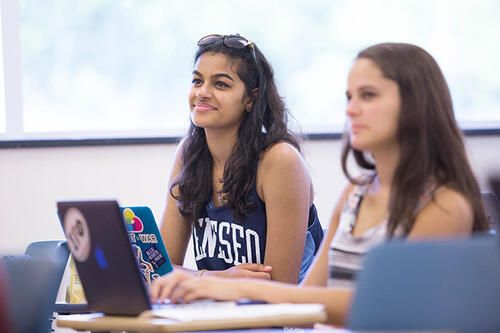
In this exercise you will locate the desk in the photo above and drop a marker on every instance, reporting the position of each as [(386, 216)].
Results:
[(98, 322), (101, 323)]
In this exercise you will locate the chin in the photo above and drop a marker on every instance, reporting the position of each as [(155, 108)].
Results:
[(356, 143), (200, 121)]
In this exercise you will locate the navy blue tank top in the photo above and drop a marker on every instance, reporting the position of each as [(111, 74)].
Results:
[(221, 242)]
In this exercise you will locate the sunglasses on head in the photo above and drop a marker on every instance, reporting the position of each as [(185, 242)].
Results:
[(232, 41)]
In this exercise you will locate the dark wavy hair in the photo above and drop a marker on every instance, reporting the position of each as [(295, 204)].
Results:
[(431, 144), (262, 127)]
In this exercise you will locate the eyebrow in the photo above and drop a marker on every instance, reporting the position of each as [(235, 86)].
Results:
[(215, 75), (367, 86)]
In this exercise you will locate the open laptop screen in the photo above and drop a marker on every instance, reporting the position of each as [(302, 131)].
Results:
[(100, 244)]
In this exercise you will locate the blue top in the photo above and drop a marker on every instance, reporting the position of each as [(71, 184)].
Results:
[(221, 242)]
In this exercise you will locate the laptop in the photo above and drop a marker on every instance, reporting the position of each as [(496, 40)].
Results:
[(99, 240), (104, 241), (146, 241), (431, 285)]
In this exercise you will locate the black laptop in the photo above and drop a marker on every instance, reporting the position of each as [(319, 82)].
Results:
[(99, 242)]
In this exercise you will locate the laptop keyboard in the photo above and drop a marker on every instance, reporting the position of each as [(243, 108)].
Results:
[(204, 304)]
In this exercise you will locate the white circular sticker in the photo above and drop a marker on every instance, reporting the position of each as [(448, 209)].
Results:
[(77, 234)]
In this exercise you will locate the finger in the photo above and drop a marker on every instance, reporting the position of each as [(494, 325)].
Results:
[(170, 282), (178, 294), (192, 295), (169, 287), (258, 267), (200, 289), (155, 289), (261, 275)]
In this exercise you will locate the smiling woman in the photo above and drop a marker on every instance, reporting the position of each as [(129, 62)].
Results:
[(239, 184)]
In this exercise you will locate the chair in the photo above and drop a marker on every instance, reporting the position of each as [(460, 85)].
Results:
[(56, 251), (34, 280), (434, 285), (32, 287), (492, 210)]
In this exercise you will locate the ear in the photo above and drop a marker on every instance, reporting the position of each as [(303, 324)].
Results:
[(251, 100)]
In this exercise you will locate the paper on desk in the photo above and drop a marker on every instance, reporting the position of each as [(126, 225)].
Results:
[(234, 311)]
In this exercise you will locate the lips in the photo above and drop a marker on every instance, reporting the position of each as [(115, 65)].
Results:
[(355, 128), (203, 107)]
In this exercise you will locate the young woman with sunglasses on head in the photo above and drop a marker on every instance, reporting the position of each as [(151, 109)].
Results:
[(417, 182), (239, 184)]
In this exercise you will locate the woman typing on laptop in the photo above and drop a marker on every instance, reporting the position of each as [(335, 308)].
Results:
[(239, 185), (416, 182)]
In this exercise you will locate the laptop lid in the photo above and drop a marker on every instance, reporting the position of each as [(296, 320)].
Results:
[(146, 241), (100, 244), (437, 285)]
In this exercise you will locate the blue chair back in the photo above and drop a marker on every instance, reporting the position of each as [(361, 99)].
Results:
[(435, 285), (32, 286), (33, 281)]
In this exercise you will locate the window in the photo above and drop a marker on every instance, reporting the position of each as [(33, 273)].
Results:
[(2, 76), (122, 68)]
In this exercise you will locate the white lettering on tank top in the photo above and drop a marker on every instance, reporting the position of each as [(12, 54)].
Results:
[(199, 250), (210, 237), (251, 233), (224, 240), (238, 257), (227, 255)]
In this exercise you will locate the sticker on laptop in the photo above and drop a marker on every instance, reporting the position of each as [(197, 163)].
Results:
[(145, 267), (77, 234), (133, 223), (155, 257)]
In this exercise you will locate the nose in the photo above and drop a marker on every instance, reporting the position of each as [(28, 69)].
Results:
[(352, 108), (203, 93)]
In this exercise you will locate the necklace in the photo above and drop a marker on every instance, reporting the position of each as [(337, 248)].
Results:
[(220, 197)]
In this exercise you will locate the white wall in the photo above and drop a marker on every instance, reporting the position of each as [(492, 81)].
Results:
[(32, 180)]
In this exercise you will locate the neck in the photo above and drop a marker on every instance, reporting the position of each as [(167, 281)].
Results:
[(220, 144), (386, 162)]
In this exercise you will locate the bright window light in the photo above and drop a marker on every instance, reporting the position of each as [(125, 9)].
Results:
[(111, 68), (2, 77)]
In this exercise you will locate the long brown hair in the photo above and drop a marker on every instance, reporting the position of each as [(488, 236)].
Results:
[(431, 144), (261, 128)]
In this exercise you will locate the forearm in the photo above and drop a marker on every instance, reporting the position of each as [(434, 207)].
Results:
[(336, 301)]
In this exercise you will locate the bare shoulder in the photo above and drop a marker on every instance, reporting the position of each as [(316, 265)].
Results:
[(281, 166), (281, 161), (448, 214), (455, 205), (281, 154)]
